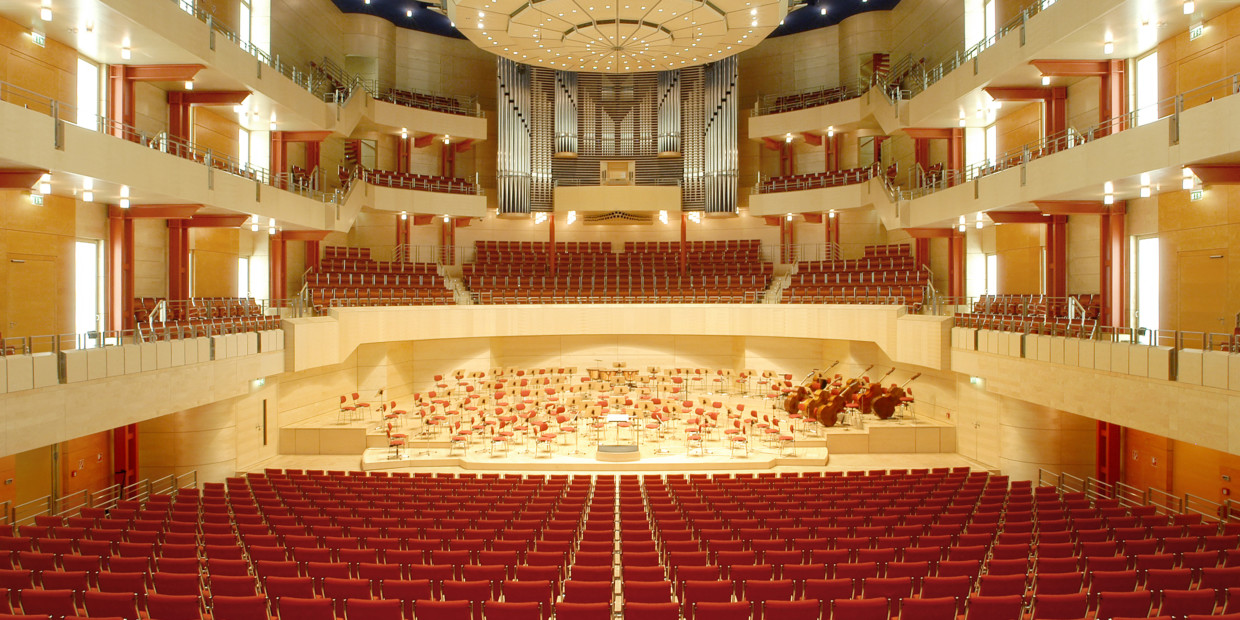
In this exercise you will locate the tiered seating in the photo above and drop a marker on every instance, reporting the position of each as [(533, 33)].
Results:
[(199, 316), (348, 277), (886, 274), (859, 545), (801, 101), (817, 180), (646, 272), (437, 103), (1035, 314), (409, 180)]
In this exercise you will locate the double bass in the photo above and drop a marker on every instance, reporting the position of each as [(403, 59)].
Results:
[(871, 392), (885, 406), (829, 412), (799, 393)]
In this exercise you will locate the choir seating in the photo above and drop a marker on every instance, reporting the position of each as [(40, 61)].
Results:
[(1034, 314), (156, 318), (899, 542), (408, 180), (349, 277), (885, 274), (810, 99), (646, 272)]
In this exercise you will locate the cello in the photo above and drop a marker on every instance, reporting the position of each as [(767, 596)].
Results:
[(871, 392), (829, 413), (885, 406), (801, 392)]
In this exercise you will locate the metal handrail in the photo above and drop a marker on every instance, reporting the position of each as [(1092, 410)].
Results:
[(808, 98), (107, 497), (299, 77), (803, 182), (395, 180)]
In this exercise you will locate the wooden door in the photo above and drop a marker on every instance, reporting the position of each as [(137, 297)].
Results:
[(1202, 297), (31, 296), (966, 434), (34, 474)]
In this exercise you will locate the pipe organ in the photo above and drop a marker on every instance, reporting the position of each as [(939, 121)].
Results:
[(676, 128)]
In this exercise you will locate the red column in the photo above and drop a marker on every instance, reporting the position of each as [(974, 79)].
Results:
[(955, 151), (1109, 453), (684, 242), (402, 154), (116, 270), (921, 250), (1057, 256), (955, 273), (831, 147), (125, 455), (178, 115), (178, 260), (120, 99), (279, 285), (551, 242), (1112, 100), (279, 157), (1113, 260), (312, 254), (1056, 111), (312, 155), (921, 152)]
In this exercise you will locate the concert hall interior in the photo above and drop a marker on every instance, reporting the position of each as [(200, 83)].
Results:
[(883, 293)]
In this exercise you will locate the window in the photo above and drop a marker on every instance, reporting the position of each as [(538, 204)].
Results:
[(992, 274), (244, 21), (992, 27), (86, 268), (243, 277), (992, 143), (260, 283), (1145, 283), (1147, 88), (87, 94), (974, 23), (243, 147)]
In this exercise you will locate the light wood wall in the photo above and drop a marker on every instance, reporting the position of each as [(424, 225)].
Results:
[(1019, 127), (1185, 65), (1019, 247), (215, 261), (86, 463), (213, 130), (49, 71), (36, 264)]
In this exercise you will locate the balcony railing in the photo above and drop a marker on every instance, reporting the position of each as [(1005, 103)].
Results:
[(804, 98), (1128, 496)]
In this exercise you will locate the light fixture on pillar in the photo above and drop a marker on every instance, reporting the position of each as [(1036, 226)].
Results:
[(572, 217), (404, 133), (1188, 179), (662, 217), (271, 230), (1108, 46), (788, 138), (404, 216), (1108, 193), (88, 196), (695, 217), (45, 184), (272, 124), (831, 214), (254, 223), (447, 218), (1145, 185), (447, 139), (124, 196), (961, 226), (126, 53), (831, 131), (788, 217), (189, 85), (88, 183), (979, 220), (540, 217), (124, 202), (1046, 80), (963, 118), (1189, 7), (45, 11)]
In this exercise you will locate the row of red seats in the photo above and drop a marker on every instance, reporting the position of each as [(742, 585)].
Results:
[(801, 101), (346, 252), (860, 277), (329, 297), (435, 103), (816, 180), (684, 296), (362, 280), (1078, 328), (886, 263), (366, 266), (887, 249)]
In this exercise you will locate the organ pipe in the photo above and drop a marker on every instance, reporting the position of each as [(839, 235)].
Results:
[(721, 141), (669, 113), (514, 163), (565, 114)]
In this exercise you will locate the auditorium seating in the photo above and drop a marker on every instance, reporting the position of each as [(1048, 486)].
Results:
[(349, 277), (408, 180), (816, 180), (156, 318), (729, 271), (897, 541), (801, 101), (885, 274), (1034, 314), (436, 103)]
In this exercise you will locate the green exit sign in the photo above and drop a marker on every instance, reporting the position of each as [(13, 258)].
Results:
[(1196, 195), (1196, 31), (39, 38), (36, 199)]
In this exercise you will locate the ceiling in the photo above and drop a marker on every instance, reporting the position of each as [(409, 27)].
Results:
[(614, 36)]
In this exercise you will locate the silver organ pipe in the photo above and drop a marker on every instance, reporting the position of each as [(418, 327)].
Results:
[(513, 165), (721, 141), (565, 114), (669, 113)]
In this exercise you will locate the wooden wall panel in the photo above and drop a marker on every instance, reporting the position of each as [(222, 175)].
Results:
[(1199, 230), (1019, 249), (215, 132), (1019, 127), (215, 261), (30, 233), (1146, 460), (86, 463), (50, 71), (8, 478)]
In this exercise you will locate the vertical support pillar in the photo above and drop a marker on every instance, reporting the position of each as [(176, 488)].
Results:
[(684, 241), (178, 115), (116, 271), (279, 159), (402, 154), (1112, 100), (831, 152), (313, 159), (1112, 268), (312, 254), (828, 222), (921, 250), (921, 152), (551, 251), (279, 284), (1109, 452), (1057, 256), (955, 153), (178, 260), (955, 267), (1056, 110), (125, 455), (787, 159), (121, 99)]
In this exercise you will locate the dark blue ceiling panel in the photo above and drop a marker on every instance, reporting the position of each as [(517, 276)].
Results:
[(415, 15)]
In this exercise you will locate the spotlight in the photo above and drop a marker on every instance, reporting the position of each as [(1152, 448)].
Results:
[(189, 85), (1108, 48), (404, 133), (1046, 80), (124, 191), (88, 196), (124, 203), (662, 217), (822, 11), (403, 216), (125, 53), (1189, 7)]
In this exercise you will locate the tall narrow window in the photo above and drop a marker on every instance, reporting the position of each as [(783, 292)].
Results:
[(1147, 88), (992, 143), (992, 274), (87, 94), (243, 277), (86, 289), (243, 147), (992, 26), (1146, 283), (244, 21)]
